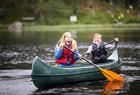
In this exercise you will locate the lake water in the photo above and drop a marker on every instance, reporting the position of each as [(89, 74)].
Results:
[(17, 51)]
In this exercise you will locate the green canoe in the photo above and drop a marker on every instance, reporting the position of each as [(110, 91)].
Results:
[(45, 75)]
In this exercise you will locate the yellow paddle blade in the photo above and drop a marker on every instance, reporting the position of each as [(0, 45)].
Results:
[(110, 75)]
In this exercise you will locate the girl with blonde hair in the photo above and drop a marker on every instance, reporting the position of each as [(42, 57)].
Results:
[(64, 56)]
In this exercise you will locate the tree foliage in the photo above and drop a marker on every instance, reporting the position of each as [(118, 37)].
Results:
[(58, 11)]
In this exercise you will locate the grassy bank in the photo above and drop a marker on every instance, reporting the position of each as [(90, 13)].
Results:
[(87, 27)]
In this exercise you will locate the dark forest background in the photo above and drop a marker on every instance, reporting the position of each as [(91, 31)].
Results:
[(56, 12)]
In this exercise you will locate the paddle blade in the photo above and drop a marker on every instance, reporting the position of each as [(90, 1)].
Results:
[(111, 76)]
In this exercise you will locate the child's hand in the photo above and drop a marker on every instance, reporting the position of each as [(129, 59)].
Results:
[(116, 39), (80, 56), (61, 45)]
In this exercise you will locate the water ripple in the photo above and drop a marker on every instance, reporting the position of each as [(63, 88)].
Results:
[(16, 54), (15, 74), (132, 78), (129, 68)]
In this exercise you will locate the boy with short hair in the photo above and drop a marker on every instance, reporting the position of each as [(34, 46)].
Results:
[(99, 55)]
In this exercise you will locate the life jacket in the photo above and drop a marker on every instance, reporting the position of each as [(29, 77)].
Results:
[(67, 56), (98, 52)]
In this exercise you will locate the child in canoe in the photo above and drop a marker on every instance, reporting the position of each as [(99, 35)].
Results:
[(64, 56), (99, 55)]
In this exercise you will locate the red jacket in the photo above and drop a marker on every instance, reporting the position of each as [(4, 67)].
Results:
[(67, 56)]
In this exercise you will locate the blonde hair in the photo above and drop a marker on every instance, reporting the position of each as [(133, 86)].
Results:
[(62, 40), (97, 35)]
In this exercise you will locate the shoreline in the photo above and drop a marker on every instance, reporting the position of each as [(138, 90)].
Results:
[(81, 27), (76, 27)]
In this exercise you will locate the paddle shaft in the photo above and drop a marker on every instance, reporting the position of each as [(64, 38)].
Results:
[(90, 62), (83, 58), (110, 75), (93, 50), (102, 46)]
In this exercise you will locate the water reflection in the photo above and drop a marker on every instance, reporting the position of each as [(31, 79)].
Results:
[(113, 87), (16, 54), (88, 88)]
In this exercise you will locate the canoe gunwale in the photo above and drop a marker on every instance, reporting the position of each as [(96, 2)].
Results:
[(83, 72)]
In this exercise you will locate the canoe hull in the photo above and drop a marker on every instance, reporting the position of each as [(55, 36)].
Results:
[(42, 82), (46, 76)]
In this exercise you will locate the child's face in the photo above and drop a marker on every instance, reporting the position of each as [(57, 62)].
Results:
[(68, 38), (97, 39)]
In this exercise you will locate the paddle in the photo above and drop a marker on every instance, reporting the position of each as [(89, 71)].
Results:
[(102, 46), (110, 75)]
